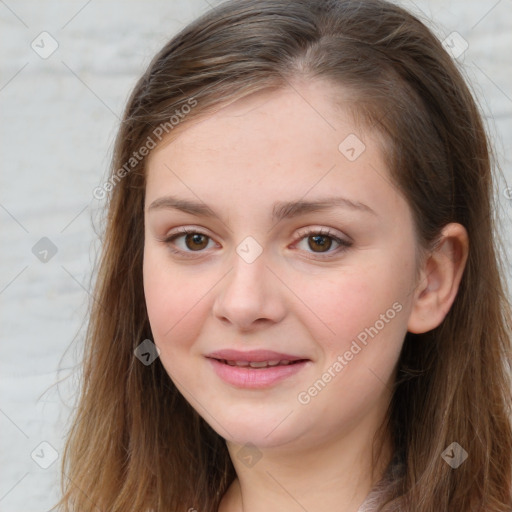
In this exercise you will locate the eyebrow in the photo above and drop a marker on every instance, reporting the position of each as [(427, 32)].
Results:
[(281, 210)]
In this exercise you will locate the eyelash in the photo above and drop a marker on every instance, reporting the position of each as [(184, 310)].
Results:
[(326, 232)]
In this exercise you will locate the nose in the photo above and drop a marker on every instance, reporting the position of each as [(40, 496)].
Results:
[(250, 296)]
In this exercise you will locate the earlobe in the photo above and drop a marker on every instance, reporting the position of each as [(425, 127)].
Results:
[(439, 280)]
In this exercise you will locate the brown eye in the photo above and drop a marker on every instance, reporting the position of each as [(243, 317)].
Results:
[(321, 242), (196, 241), (187, 241)]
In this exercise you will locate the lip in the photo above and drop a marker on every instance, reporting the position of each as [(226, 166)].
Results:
[(255, 378)]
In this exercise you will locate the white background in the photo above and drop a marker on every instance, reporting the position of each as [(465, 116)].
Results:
[(58, 119)]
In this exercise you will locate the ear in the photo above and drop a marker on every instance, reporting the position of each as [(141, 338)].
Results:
[(439, 280)]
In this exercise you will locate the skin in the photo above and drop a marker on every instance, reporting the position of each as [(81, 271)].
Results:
[(283, 146)]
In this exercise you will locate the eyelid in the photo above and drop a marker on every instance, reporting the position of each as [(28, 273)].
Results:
[(327, 231), (184, 230)]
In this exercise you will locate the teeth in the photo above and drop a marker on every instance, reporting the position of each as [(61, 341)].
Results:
[(258, 364)]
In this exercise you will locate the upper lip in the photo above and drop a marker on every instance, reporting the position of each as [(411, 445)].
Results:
[(253, 355)]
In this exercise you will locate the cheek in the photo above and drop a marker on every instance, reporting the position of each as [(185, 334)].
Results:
[(173, 300), (367, 314), (350, 301)]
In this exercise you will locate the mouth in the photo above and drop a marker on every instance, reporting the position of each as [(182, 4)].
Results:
[(255, 369)]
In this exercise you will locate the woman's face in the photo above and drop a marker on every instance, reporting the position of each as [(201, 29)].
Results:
[(280, 315)]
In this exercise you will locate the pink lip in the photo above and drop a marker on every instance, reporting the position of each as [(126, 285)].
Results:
[(254, 378)]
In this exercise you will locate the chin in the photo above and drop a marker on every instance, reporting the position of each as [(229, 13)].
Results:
[(262, 429)]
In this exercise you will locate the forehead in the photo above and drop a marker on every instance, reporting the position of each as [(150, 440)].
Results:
[(270, 117), (283, 142)]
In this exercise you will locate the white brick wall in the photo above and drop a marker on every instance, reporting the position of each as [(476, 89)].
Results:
[(58, 120)]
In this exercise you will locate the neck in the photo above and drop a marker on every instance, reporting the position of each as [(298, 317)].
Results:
[(335, 475)]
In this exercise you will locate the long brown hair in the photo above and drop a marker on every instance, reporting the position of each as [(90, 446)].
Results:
[(135, 444)]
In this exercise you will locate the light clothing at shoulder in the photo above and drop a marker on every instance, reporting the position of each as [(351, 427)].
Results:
[(382, 489)]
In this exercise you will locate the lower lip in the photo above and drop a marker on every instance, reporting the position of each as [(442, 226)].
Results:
[(247, 377)]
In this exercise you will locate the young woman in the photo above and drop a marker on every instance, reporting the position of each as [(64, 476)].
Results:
[(300, 304)]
